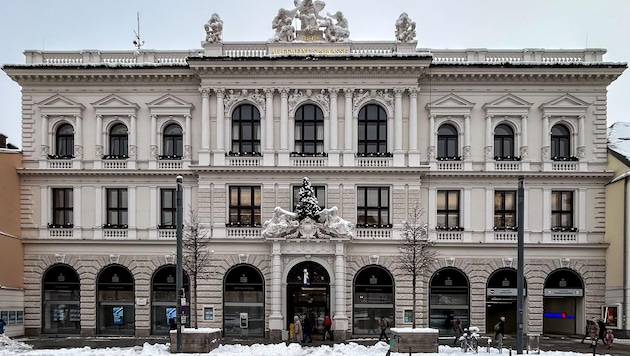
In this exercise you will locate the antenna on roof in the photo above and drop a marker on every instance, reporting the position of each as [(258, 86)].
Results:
[(137, 42)]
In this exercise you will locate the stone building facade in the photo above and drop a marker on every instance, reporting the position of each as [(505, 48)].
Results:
[(376, 127)]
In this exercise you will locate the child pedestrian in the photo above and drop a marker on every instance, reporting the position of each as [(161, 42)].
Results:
[(609, 338)]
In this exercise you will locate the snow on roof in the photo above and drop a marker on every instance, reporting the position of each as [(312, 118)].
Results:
[(619, 138)]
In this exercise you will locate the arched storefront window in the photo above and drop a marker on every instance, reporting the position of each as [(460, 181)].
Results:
[(501, 298), (563, 303), (373, 299), (244, 293), (61, 309), (308, 294), (116, 313), (164, 298), (449, 299)]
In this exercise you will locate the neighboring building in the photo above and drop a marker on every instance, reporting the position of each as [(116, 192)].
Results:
[(617, 308), (374, 126), (12, 260)]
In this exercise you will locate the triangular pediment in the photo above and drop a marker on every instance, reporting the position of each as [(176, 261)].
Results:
[(566, 105), (508, 105), (169, 105), (450, 105), (59, 105), (115, 105)]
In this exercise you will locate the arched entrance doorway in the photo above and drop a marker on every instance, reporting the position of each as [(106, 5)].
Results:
[(116, 314), (373, 298), (563, 303), (164, 298), (61, 309), (501, 298), (308, 293), (244, 295), (449, 299)]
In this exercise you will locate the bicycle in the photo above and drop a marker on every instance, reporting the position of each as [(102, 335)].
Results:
[(469, 341)]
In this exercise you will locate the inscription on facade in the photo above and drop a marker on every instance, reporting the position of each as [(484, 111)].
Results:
[(310, 51)]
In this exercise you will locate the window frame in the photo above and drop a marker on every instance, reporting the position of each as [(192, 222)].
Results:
[(172, 143), (65, 207), (120, 209), (367, 144), (118, 142), (374, 211), (500, 139), (239, 123), (302, 121), (64, 142), (558, 140), (448, 211), (445, 140), (502, 211), (165, 210), (559, 213), (252, 210)]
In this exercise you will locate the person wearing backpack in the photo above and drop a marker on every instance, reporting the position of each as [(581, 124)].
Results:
[(499, 330)]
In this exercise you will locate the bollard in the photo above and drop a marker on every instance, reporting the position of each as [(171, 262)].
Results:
[(510, 350), (489, 343), (594, 345)]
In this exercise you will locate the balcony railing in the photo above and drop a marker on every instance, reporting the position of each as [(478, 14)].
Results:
[(450, 165), (449, 236), (169, 164), (60, 233), (114, 164), (373, 234), (115, 234), (167, 234), (308, 161), (243, 232), (59, 164), (564, 236)]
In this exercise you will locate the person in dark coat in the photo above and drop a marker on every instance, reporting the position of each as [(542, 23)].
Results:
[(586, 329), (307, 327), (602, 331), (383, 326), (499, 330), (2, 324), (172, 324), (459, 330)]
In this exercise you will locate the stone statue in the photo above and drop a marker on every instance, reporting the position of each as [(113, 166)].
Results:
[(307, 11), (337, 32), (307, 279), (282, 24), (405, 28), (214, 29), (282, 222), (334, 223)]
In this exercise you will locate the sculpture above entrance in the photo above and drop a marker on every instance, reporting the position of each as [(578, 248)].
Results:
[(314, 27), (308, 221)]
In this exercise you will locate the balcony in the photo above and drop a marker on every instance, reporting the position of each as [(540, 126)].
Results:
[(243, 159), (174, 164), (115, 232), (508, 163), (302, 159), (60, 162), (450, 163), (449, 234), (115, 161), (373, 234), (243, 232), (167, 234), (374, 159), (60, 232)]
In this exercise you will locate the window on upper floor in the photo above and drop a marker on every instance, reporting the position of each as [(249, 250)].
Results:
[(309, 131), (372, 131), (168, 209), (64, 142), (245, 131), (448, 143), (560, 143), (373, 207), (117, 208), (562, 211), (172, 142), (62, 208), (320, 194), (505, 210), (448, 210), (503, 143), (245, 204), (118, 142)]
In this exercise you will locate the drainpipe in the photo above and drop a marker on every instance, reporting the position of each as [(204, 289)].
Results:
[(625, 258)]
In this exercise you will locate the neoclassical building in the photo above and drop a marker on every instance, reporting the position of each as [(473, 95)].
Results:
[(375, 126)]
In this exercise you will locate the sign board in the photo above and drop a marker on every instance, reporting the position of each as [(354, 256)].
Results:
[(504, 292), (118, 315), (564, 292)]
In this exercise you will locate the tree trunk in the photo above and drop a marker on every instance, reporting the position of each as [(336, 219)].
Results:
[(193, 309), (413, 293)]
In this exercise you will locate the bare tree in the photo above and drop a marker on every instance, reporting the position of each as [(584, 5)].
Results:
[(415, 251), (196, 255)]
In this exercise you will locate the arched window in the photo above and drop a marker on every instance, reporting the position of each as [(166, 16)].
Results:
[(244, 292), (309, 130), (115, 313), (373, 299), (118, 141), (503, 142), (164, 298), (560, 142), (372, 130), (64, 147), (172, 142), (448, 145), (449, 299), (61, 299), (246, 130)]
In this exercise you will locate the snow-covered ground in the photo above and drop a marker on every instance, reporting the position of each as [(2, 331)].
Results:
[(13, 347)]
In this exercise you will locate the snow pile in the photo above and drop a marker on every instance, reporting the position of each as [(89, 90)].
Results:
[(8, 344)]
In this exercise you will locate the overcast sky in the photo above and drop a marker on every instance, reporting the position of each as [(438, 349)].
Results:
[(178, 25)]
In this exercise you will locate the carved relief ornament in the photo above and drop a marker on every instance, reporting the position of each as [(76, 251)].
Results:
[(298, 97), (235, 97), (382, 96)]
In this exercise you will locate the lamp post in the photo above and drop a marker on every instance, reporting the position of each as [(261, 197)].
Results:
[(179, 272), (520, 218)]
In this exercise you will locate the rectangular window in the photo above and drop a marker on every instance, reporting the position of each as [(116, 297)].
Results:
[(117, 208), (561, 210), (62, 207), (208, 313), (244, 206), (168, 209), (408, 316), (373, 207), (505, 210), (448, 210), (320, 194)]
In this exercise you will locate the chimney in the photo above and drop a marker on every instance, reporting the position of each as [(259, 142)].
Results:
[(3, 141)]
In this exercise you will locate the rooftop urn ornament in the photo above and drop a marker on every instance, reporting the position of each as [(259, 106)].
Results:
[(214, 29), (405, 28)]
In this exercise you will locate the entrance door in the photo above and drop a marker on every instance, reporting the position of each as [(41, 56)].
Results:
[(308, 294), (563, 303), (501, 299)]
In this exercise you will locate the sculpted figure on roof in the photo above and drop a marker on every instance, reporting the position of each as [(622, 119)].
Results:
[(405, 28), (214, 29), (282, 24), (333, 27)]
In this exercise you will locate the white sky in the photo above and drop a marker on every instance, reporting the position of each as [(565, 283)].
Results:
[(12, 347), (168, 25)]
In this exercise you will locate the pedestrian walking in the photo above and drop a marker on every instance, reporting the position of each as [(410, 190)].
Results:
[(593, 333), (499, 331), (458, 329), (328, 328), (610, 337), (2, 324), (602, 330), (383, 326), (307, 329), (297, 329), (586, 329)]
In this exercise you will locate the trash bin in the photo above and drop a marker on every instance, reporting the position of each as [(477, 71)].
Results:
[(285, 335), (533, 343)]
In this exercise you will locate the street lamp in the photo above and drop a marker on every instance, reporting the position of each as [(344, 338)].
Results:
[(179, 272), (520, 218)]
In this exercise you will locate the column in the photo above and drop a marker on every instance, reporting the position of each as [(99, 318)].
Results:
[(581, 136), (489, 138), (524, 150), (432, 134), (188, 137), (276, 323), (45, 133), (340, 317), (546, 153), (414, 153), (268, 154), (154, 147), (204, 151), (333, 154), (399, 156), (220, 137), (133, 143), (283, 155), (78, 134), (466, 149), (99, 142), (348, 152)]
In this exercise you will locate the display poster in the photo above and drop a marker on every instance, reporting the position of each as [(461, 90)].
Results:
[(170, 314), (118, 315), (60, 313), (610, 316)]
